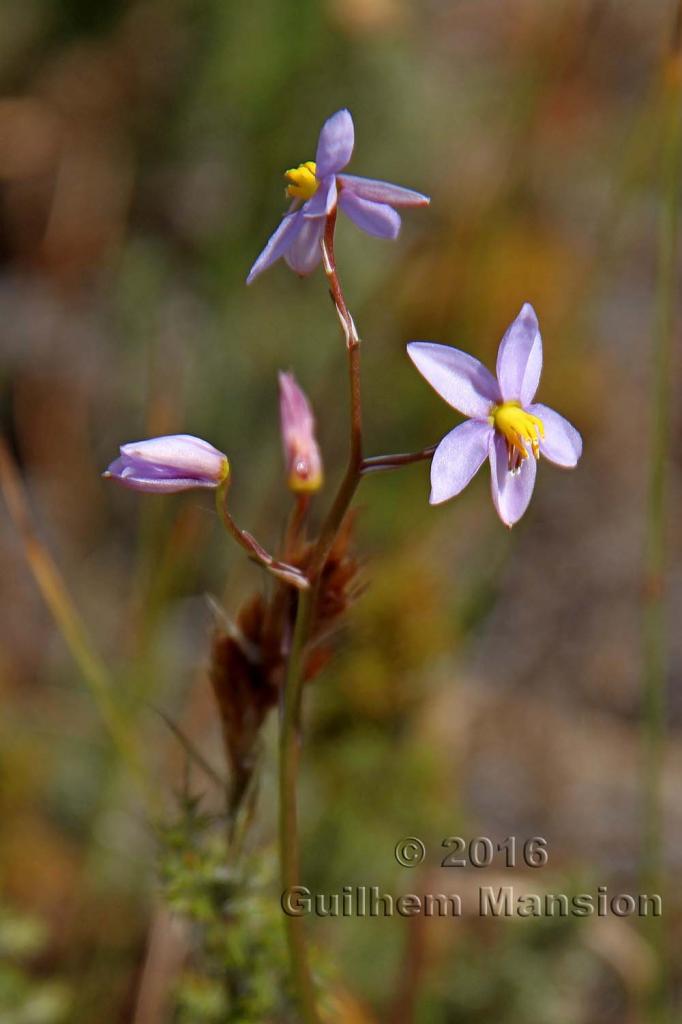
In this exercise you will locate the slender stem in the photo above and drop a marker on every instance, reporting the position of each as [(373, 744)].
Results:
[(290, 727), (289, 753), (353, 473), (290, 731), (288, 573), (379, 463), (297, 521), (654, 627), (348, 485), (338, 298)]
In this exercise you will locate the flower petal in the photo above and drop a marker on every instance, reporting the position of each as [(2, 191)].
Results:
[(519, 359), (324, 200), (335, 144), (511, 491), (457, 458), (135, 477), (461, 380), (280, 240), (306, 252), (562, 444), (179, 454), (374, 218), (381, 191)]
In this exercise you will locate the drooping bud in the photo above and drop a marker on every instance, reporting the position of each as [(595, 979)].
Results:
[(166, 465), (301, 451)]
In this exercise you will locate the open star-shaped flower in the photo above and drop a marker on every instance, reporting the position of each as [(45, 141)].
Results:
[(504, 424), (317, 187)]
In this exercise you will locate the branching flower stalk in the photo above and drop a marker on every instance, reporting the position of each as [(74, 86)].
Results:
[(290, 728), (279, 639), (502, 428)]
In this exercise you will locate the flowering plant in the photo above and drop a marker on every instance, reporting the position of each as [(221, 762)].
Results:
[(281, 641)]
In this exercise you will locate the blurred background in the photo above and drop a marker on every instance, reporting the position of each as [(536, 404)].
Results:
[(489, 682)]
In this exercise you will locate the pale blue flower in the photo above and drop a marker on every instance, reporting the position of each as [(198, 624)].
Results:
[(317, 187), (505, 425)]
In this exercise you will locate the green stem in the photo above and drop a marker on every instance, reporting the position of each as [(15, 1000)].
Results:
[(654, 627), (289, 752), (290, 728)]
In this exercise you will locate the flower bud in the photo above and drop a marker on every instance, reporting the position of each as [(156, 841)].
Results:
[(165, 465), (301, 451)]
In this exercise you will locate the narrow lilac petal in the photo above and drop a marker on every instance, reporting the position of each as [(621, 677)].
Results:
[(511, 491), (519, 359), (335, 144), (181, 454), (306, 251), (381, 191), (457, 458), (461, 380), (126, 466), (374, 218), (324, 200), (280, 240), (138, 478), (562, 444)]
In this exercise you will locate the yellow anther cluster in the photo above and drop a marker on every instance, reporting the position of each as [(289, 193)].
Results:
[(301, 181), (519, 428)]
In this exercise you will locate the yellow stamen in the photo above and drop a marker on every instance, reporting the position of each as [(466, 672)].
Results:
[(518, 428), (302, 183)]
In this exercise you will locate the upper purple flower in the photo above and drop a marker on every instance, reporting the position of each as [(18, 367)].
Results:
[(504, 421), (319, 187), (165, 465)]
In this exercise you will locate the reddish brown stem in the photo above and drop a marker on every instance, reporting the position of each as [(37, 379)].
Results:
[(288, 573), (378, 463)]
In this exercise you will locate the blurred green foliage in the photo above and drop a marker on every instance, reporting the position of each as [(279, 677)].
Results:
[(23, 998), (237, 971)]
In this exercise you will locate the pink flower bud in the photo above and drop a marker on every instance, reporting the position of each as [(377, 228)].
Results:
[(165, 465), (301, 451)]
